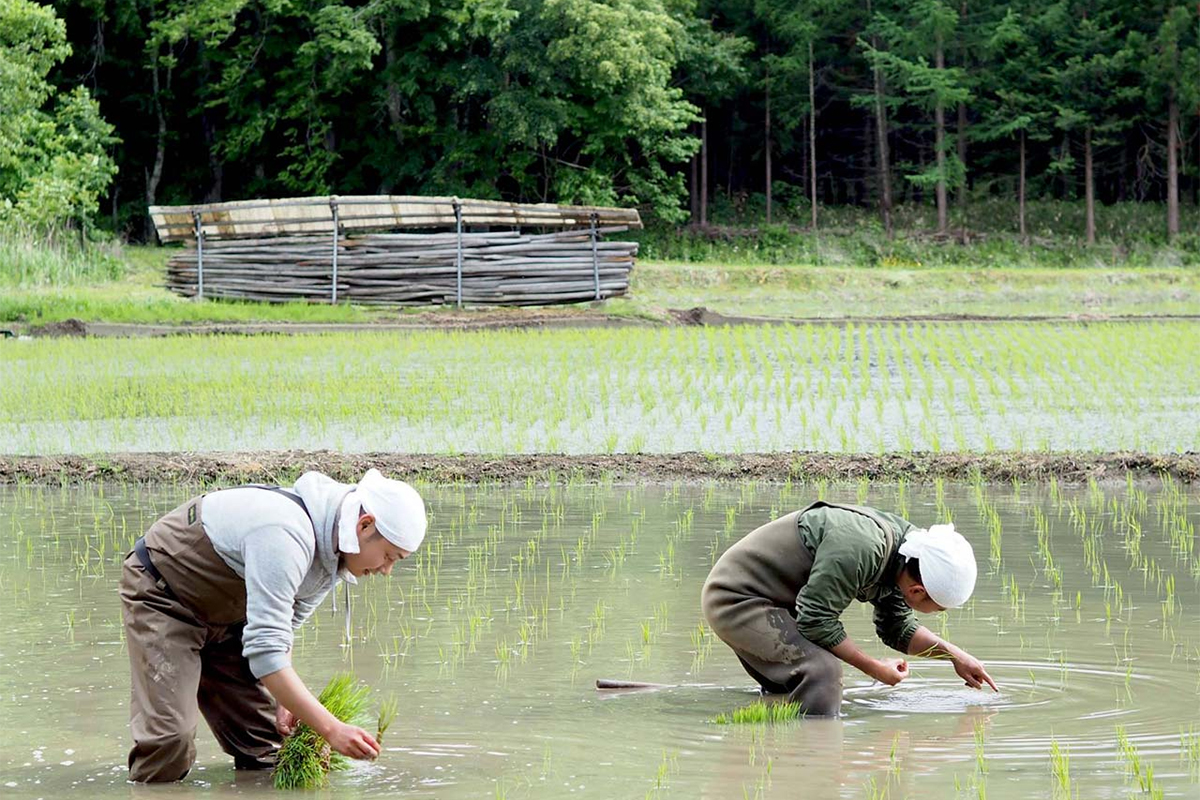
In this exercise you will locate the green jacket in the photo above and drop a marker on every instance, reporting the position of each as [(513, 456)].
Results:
[(852, 561)]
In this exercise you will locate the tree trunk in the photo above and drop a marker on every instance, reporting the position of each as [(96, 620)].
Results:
[(394, 100), (1021, 191), (962, 154), (868, 160), (1089, 186), (804, 144), (704, 169), (939, 143), (1068, 176), (1172, 166), (961, 143), (812, 134), (694, 189), (881, 137), (767, 145), (154, 176), (215, 166)]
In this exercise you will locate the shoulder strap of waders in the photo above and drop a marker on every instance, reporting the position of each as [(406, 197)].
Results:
[(279, 490), (869, 513)]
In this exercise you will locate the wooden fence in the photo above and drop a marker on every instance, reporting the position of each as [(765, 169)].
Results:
[(346, 249)]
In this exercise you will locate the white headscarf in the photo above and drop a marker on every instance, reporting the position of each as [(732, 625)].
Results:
[(947, 563), (398, 509)]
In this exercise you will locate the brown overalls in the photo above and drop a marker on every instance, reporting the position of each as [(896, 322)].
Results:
[(185, 652), (749, 600)]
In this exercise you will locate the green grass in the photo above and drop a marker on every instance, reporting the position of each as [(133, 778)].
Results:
[(760, 713), (849, 270), (1128, 235), (29, 260), (848, 292), (135, 295)]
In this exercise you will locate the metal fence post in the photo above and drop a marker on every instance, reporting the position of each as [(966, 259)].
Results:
[(458, 253), (595, 255), (199, 255), (333, 206)]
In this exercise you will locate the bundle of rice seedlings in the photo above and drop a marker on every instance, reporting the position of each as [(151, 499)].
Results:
[(760, 713), (306, 759)]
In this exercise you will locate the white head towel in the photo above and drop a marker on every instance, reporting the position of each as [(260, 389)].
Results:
[(398, 509), (947, 563)]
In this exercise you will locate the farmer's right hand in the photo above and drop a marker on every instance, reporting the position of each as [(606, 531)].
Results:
[(891, 671), (353, 742)]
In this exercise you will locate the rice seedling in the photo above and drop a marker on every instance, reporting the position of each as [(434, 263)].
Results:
[(668, 766), (1060, 767), (96, 396), (760, 713), (305, 759)]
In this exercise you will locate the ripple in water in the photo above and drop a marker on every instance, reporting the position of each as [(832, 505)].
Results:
[(1022, 685)]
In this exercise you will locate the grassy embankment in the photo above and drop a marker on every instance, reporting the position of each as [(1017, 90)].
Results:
[(847, 270)]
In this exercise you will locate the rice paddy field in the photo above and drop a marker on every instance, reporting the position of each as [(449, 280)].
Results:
[(867, 388), (1087, 610), (1087, 614)]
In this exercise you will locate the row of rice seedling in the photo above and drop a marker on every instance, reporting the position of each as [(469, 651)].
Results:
[(862, 388)]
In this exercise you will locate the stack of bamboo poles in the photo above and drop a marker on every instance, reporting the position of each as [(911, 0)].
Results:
[(499, 267)]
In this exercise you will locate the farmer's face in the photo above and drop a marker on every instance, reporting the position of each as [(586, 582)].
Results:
[(919, 600), (376, 555)]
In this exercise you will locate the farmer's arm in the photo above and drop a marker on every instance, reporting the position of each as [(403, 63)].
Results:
[(887, 670), (925, 642), (289, 691), (841, 564), (276, 562), (894, 620)]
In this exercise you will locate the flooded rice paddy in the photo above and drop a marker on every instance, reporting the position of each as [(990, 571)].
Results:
[(867, 388), (1087, 614)]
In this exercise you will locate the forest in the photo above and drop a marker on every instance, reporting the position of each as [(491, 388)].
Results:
[(689, 110)]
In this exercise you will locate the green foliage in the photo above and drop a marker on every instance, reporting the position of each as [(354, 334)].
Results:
[(590, 101), (29, 258), (1128, 235), (54, 164)]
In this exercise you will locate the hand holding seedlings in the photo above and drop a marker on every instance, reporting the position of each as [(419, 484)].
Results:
[(208, 560), (285, 721), (352, 742)]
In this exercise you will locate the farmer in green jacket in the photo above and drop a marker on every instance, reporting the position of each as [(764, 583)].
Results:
[(776, 596)]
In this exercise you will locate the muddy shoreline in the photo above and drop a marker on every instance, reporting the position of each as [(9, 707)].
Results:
[(528, 319), (285, 466)]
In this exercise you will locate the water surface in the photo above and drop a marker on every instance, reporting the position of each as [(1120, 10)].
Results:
[(1088, 619)]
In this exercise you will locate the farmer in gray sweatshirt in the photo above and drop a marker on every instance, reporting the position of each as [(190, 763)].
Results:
[(212, 594)]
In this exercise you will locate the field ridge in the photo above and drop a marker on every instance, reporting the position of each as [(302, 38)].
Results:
[(282, 467)]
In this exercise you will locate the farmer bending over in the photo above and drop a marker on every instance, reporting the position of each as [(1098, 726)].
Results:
[(775, 597), (211, 595)]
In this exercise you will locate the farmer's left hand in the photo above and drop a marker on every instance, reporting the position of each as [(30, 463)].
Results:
[(285, 721), (971, 670)]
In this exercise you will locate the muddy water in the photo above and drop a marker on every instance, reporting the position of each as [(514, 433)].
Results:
[(1088, 618)]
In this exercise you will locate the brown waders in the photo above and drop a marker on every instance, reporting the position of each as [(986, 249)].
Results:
[(184, 632), (749, 601)]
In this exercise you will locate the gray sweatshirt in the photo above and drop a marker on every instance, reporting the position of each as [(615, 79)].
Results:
[(288, 563)]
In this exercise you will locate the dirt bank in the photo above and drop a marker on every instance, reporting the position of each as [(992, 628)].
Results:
[(498, 319), (282, 467)]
